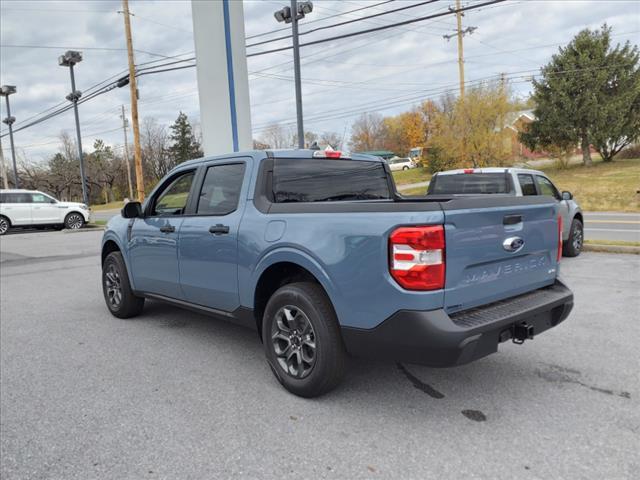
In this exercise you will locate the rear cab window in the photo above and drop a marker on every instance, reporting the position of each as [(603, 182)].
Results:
[(471, 184), (527, 185), (329, 180)]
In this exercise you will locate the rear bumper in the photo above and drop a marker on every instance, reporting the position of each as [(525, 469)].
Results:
[(437, 339)]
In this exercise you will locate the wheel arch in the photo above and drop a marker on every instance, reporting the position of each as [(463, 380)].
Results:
[(5, 216), (282, 269)]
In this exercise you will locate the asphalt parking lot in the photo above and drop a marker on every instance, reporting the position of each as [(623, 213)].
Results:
[(173, 394)]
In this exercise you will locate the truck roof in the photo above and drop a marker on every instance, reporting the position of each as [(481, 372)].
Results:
[(283, 153), (491, 170)]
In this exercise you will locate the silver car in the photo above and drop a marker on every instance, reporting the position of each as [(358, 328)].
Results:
[(519, 182)]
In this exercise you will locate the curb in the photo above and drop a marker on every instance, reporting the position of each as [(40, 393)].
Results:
[(591, 247), (97, 228)]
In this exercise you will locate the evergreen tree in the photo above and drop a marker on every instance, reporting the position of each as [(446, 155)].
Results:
[(184, 145), (589, 94)]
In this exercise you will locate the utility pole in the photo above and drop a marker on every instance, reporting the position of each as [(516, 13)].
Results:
[(292, 15), (125, 123), (5, 91), (460, 32), (137, 152), (3, 169), (69, 59)]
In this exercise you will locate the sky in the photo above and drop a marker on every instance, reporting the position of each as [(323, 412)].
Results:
[(385, 72)]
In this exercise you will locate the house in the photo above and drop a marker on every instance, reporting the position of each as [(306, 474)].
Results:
[(515, 123)]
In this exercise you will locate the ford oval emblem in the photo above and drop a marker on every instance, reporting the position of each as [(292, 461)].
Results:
[(513, 244)]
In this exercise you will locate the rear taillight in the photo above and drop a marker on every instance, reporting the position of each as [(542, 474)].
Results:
[(417, 257), (559, 256)]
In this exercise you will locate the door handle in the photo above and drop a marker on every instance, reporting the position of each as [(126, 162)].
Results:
[(219, 229), (512, 219), (168, 229)]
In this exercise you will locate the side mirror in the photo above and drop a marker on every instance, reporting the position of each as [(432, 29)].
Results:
[(132, 210), (53, 201), (567, 196)]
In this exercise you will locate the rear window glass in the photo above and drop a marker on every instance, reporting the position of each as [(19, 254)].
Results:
[(328, 180), (470, 183)]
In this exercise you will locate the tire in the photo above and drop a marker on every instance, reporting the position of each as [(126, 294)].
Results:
[(118, 296), (74, 221), (405, 168), (5, 225), (573, 246), (310, 311)]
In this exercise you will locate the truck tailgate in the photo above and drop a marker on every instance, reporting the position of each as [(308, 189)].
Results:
[(498, 247)]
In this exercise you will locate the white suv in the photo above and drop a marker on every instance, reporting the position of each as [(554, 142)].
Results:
[(29, 208)]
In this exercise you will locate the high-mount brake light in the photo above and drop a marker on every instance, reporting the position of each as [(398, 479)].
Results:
[(327, 154), (417, 257), (469, 170), (559, 238)]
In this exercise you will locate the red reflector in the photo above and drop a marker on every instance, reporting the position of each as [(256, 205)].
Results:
[(559, 239), (334, 154), (468, 170), (417, 257)]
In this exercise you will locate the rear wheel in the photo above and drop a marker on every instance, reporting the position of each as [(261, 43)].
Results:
[(573, 246), (405, 168), (118, 295), (74, 221), (5, 225), (302, 340)]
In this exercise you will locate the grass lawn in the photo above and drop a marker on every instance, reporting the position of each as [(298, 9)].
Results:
[(108, 206), (620, 243), (603, 187), (414, 175)]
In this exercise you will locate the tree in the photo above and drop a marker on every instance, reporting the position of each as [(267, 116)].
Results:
[(367, 133), (184, 144), (332, 139), (470, 131), (154, 145), (588, 94), (276, 136)]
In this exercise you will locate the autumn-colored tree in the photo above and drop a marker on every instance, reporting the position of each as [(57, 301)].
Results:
[(470, 131), (403, 132), (367, 133)]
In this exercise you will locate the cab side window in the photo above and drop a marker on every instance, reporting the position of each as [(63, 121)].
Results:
[(221, 189), (173, 199), (39, 198), (526, 184), (546, 187)]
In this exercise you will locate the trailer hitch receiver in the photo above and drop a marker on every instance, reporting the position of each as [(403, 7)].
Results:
[(521, 332)]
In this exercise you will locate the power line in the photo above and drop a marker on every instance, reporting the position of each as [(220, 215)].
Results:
[(377, 29), (346, 22)]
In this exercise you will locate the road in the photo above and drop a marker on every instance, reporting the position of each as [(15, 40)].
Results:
[(612, 226), (173, 394)]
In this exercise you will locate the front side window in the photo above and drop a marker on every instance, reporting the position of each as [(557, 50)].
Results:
[(40, 198), (546, 187), (526, 184), (221, 189), (173, 199), (328, 180)]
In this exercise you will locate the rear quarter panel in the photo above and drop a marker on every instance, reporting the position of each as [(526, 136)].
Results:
[(346, 252)]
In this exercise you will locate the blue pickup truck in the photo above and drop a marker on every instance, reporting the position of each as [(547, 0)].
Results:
[(319, 253)]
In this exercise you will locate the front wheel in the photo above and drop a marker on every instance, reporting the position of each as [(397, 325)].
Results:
[(302, 340), (120, 299), (5, 225), (405, 168), (573, 245), (74, 221)]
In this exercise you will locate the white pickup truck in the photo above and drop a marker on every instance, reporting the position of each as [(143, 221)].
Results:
[(515, 181)]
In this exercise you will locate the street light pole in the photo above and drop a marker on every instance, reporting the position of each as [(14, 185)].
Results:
[(69, 59), (292, 15), (296, 68), (5, 91)]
